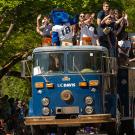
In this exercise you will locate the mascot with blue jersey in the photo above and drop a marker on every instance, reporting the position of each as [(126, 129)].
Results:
[(62, 27)]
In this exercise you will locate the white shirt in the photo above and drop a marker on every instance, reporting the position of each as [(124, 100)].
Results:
[(88, 32), (64, 31), (124, 44)]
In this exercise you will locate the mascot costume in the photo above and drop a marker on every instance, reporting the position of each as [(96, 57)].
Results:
[(62, 31)]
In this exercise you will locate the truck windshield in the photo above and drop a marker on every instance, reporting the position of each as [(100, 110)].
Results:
[(84, 61), (48, 63)]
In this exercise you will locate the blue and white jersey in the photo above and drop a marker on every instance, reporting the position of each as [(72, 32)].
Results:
[(64, 31)]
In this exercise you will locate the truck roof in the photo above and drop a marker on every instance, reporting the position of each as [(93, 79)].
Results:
[(65, 48)]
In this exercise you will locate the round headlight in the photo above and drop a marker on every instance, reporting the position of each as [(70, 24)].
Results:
[(89, 109), (45, 101), (88, 100), (66, 95), (45, 111)]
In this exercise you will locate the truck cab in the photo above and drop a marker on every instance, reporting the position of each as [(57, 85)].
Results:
[(70, 84)]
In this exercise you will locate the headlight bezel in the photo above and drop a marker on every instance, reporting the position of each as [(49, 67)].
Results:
[(45, 101), (45, 111), (88, 100), (89, 110)]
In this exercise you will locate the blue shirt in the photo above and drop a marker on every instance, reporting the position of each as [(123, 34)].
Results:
[(101, 15), (111, 33)]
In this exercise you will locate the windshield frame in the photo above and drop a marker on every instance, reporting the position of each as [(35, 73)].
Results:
[(65, 53), (102, 53), (47, 55)]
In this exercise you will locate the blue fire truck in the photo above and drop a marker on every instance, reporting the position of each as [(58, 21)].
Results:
[(74, 91)]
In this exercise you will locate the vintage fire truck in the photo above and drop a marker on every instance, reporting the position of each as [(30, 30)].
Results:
[(78, 90)]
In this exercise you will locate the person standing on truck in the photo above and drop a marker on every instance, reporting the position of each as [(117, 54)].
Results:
[(76, 34), (104, 12), (121, 32), (124, 47), (62, 33), (100, 16), (44, 30), (92, 32), (109, 37), (87, 32)]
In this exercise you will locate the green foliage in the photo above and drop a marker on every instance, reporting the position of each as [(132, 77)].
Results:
[(16, 88), (8, 4)]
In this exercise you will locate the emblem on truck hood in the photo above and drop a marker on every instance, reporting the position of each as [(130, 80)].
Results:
[(65, 78)]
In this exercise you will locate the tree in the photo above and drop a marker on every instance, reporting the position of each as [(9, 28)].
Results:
[(18, 36), (15, 38)]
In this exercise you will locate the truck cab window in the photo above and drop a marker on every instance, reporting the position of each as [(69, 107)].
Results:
[(45, 63), (55, 63), (84, 61)]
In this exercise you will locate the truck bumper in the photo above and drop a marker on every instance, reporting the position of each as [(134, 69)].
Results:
[(81, 119)]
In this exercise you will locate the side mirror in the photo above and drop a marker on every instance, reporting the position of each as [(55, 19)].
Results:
[(26, 68)]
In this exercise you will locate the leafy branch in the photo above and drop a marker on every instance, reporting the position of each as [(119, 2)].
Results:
[(14, 60)]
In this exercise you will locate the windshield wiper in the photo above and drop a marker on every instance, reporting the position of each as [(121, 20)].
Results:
[(74, 65)]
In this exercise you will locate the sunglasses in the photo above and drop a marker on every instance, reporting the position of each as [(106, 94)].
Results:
[(81, 16)]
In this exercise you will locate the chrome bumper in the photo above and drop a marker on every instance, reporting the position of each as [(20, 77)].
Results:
[(81, 119)]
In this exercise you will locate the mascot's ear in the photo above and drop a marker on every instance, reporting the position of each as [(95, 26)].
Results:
[(74, 20)]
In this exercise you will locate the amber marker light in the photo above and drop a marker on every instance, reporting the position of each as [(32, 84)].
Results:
[(93, 83), (39, 85), (83, 84), (49, 85)]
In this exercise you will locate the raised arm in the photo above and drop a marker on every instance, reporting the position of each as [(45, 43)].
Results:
[(38, 25), (98, 21), (104, 19), (38, 18)]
